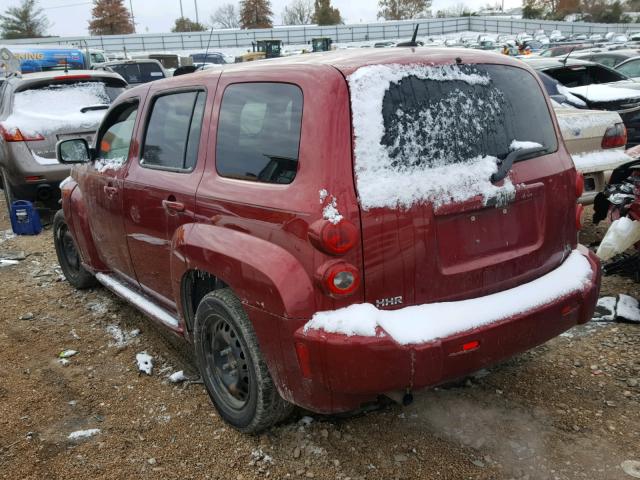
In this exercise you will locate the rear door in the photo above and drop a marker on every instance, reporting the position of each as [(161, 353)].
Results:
[(435, 226), (160, 185)]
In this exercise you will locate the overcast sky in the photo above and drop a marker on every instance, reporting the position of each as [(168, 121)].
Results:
[(71, 17)]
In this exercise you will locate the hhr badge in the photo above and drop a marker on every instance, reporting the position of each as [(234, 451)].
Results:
[(388, 302)]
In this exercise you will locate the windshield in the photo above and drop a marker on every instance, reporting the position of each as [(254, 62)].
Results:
[(432, 122), (582, 75), (210, 58), (138, 72)]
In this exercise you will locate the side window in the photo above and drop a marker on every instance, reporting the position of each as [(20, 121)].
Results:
[(173, 131), (259, 132), (117, 131)]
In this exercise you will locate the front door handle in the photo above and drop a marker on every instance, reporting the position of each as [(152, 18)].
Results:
[(110, 191), (172, 206)]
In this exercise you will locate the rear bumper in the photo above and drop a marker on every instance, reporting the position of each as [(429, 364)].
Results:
[(347, 371)]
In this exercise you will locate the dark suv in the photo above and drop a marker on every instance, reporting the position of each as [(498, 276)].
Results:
[(327, 229)]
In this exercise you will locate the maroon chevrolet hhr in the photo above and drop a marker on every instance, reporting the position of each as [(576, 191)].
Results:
[(328, 228)]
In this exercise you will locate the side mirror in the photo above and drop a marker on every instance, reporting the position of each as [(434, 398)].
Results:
[(75, 150)]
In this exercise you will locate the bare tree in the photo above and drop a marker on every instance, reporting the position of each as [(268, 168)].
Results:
[(403, 9), (226, 16), (298, 12)]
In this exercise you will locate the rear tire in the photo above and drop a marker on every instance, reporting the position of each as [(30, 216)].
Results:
[(68, 256), (233, 368)]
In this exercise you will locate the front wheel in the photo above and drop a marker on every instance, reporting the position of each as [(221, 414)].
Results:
[(68, 256), (232, 367)]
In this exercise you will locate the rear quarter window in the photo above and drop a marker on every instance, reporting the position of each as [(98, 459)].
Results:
[(259, 132)]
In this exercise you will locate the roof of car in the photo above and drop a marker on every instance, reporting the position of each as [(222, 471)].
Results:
[(543, 63), (126, 61), (349, 60), (628, 52)]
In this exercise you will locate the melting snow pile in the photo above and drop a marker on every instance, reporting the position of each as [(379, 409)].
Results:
[(519, 145), (440, 178), (145, 362), (57, 107), (624, 308), (82, 434), (177, 377), (424, 323), (600, 160), (330, 210), (104, 164)]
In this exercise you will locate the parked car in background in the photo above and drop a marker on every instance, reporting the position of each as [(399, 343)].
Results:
[(599, 87), (36, 111), (170, 61), (136, 72), (608, 58), (630, 68), (405, 261), (201, 59), (596, 140)]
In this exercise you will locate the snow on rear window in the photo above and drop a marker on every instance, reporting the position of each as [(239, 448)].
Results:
[(436, 133), (57, 107)]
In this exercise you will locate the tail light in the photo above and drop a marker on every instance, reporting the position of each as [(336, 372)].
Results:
[(334, 239), (15, 135), (615, 136), (579, 210), (339, 278), (579, 184), (73, 77)]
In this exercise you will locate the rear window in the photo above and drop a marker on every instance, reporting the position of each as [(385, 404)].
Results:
[(202, 58), (581, 75), (430, 122), (138, 72), (437, 134), (259, 132)]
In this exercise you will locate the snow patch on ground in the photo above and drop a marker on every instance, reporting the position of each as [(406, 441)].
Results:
[(177, 377), (628, 308), (145, 362), (82, 434), (67, 353), (605, 309), (437, 180), (6, 235), (424, 323), (121, 338)]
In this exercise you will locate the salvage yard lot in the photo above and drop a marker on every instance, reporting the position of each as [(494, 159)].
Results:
[(569, 409)]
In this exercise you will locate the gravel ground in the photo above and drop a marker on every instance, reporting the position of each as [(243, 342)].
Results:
[(566, 410)]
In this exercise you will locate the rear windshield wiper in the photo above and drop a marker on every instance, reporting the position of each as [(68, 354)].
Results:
[(90, 108), (505, 165)]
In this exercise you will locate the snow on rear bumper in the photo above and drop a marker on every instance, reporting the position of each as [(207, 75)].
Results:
[(357, 365)]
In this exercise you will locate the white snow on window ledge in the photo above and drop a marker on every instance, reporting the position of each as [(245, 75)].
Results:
[(425, 323), (382, 186), (103, 164)]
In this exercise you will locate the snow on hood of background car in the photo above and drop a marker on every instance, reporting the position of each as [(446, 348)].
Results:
[(425, 323), (57, 107), (599, 160), (604, 93), (382, 185)]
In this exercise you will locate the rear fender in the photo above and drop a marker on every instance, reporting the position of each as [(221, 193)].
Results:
[(262, 274), (75, 214)]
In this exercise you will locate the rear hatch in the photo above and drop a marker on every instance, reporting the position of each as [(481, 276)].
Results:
[(67, 108), (434, 225)]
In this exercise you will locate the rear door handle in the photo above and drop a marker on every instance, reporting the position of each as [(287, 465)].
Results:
[(110, 191), (172, 206)]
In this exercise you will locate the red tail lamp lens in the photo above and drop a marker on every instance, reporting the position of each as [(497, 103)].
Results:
[(467, 347), (579, 210), (579, 184), (341, 279), (304, 359), (339, 238), (73, 77), (615, 136), (15, 135)]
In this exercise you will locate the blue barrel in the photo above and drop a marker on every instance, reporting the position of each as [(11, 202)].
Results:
[(25, 219)]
